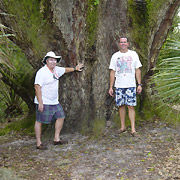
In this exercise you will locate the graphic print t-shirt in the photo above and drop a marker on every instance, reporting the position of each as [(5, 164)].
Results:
[(124, 65)]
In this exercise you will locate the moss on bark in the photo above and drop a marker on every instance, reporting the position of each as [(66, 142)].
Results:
[(30, 24), (92, 21)]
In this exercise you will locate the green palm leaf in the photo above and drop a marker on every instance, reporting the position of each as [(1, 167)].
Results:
[(167, 75)]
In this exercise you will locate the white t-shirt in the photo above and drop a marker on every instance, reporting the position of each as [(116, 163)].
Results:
[(49, 85), (124, 65)]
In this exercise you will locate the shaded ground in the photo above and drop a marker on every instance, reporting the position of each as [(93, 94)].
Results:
[(155, 155)]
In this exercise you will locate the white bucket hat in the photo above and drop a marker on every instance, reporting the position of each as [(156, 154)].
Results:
[(51, 54)]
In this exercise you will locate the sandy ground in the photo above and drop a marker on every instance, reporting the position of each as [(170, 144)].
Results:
[(154, 155)]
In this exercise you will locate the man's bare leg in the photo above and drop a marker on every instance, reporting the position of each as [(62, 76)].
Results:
[(58, 127), (132, 118), (122, 114), (37, 128)]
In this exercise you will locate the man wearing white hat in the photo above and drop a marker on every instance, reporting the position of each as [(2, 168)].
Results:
[(48, 107)]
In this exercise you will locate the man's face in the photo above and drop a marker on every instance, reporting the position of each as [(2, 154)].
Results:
[(51, 62), (123, 44)]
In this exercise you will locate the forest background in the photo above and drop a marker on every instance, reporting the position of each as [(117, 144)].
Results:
[(87, 31)]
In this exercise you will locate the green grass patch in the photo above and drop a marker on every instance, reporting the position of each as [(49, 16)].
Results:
[(25, 126)]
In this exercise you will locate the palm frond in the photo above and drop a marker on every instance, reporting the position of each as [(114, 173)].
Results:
[(167, 75)]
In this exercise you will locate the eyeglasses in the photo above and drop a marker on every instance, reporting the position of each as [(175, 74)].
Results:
[(56, 78)]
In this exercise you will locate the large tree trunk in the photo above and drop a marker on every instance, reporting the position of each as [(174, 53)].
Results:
[(82, 31)]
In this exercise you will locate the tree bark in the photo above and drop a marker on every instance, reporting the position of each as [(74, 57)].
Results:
[(82, 31)]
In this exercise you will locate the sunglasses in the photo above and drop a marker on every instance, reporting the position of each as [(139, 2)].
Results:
[(56, 78)]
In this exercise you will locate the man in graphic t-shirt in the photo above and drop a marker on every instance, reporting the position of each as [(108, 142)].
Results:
[(125, 70), (48, 108)]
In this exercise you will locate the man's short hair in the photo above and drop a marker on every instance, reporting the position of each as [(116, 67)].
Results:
[(124, 37)]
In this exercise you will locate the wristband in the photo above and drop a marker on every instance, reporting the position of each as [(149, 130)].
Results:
[(74, 68), (140, 85)]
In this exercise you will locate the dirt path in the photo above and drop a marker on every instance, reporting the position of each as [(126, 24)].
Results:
[(155, 155)]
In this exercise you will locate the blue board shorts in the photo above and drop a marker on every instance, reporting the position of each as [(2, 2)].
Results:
[(126, 96), (50, 113)]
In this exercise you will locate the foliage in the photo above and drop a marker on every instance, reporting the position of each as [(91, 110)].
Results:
[(24, 125), (96, 2), (11, 103), (174, 33), (24, 14), (15, 68), (30, 17), (167, 75), (4, 43), (154, 7)]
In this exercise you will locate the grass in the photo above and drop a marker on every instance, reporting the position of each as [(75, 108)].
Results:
[(24, 125)]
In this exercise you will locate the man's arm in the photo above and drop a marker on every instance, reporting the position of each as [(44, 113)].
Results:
[(77, 68), (112, 79), (39, 97), (138, 78)]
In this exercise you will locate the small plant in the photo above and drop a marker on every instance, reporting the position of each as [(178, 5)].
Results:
[(13, 104), (96, 2)]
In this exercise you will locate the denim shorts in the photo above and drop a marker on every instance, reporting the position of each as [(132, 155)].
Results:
[(50, 113), (126, 96)]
